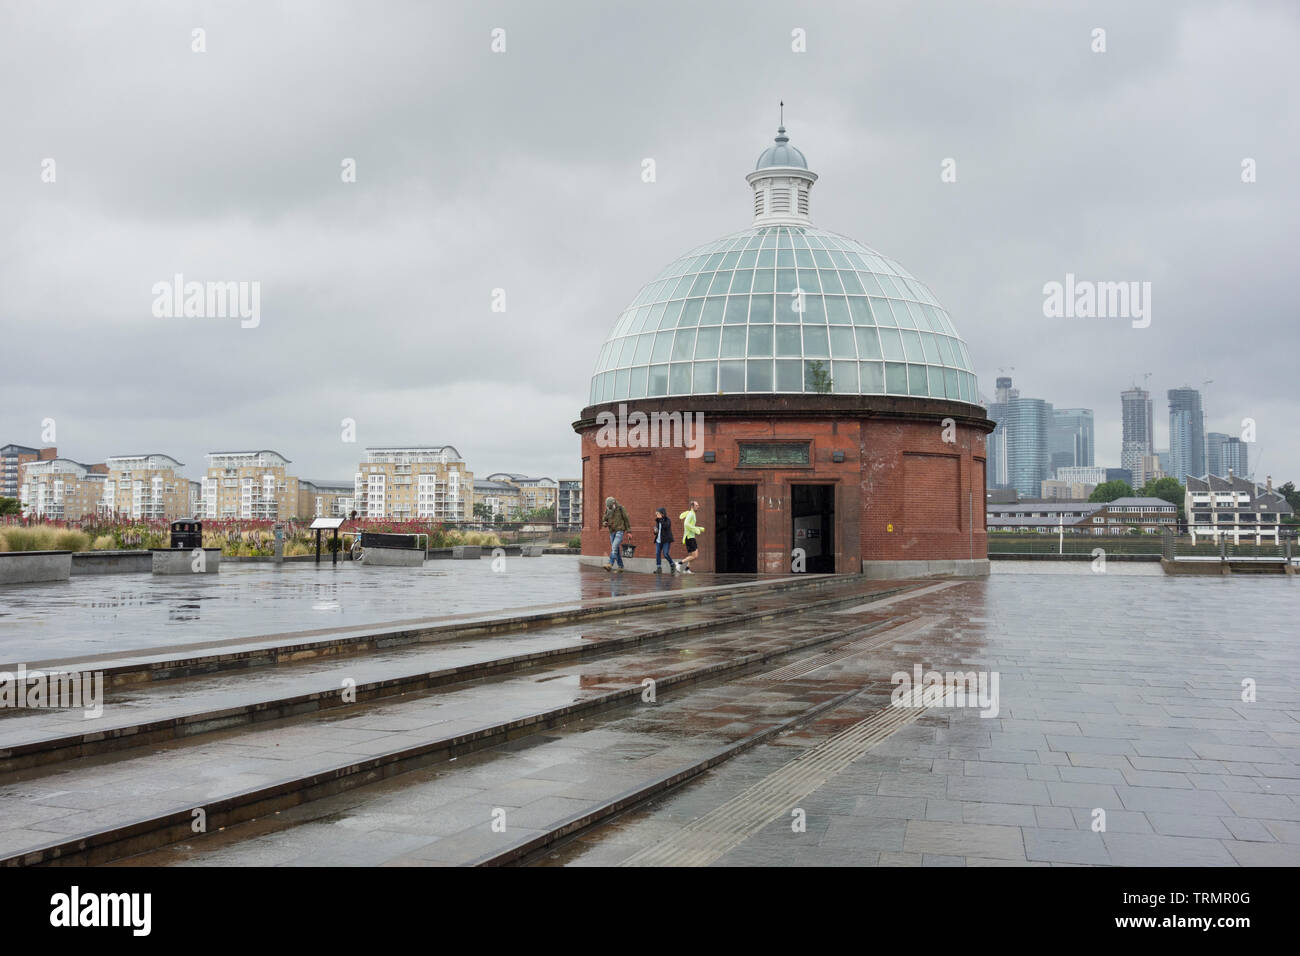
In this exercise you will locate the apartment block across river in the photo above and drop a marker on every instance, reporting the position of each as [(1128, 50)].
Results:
[(249, 484), (60, 489), (417, 481), (145, 486)]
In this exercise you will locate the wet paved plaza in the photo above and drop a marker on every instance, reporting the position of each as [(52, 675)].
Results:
[(1119, 694), (95, 614), (1121, 736)]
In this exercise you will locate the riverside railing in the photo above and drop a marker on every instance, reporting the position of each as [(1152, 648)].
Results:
[(1224, 548), (1081, 544)]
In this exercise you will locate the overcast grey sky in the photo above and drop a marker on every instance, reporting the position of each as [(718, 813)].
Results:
[(522, 170)]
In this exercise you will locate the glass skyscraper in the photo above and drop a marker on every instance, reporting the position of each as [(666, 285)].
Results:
[(1138, 431), (1214, 453), (1027, 423), (1234, 457), (996, 444), (1069, 440), (1186, 434)]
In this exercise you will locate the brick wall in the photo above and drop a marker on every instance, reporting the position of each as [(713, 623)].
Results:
[(901, 492), (931, 491), (921, 493), (642, 480)]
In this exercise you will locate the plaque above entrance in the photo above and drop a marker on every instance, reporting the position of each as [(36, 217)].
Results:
[(785, 454)]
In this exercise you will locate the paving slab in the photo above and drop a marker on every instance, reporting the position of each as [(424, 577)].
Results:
[(1151, 730)]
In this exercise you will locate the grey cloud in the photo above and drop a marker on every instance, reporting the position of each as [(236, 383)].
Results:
[(521, 171)]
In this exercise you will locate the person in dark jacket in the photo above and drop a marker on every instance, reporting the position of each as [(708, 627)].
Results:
[(616, 520), (663, 541)]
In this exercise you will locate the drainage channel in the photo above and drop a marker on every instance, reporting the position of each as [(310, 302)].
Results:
[(725, 827)]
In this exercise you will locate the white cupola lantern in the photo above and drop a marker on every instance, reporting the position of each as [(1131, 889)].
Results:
[(781, 181)]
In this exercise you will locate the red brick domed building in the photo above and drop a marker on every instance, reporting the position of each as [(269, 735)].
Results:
[(809, 392)]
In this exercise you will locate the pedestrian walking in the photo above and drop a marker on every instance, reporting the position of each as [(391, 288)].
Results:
[(690, 531), (663, 541), (616, 520)]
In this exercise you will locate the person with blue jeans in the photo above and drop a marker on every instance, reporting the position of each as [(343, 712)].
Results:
[(616, 520), (663, 541)]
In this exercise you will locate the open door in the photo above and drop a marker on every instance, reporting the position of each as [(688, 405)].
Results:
[(736, 534), (812, 508)]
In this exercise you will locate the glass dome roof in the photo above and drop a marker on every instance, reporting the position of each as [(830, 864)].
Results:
[(725, 318)]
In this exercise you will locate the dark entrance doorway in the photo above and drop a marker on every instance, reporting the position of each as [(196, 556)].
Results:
[(812, 508), (736, 516)]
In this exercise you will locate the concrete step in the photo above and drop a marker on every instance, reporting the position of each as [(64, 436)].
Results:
[(90, 811), (168, 662), (147, 715), (546, 788)]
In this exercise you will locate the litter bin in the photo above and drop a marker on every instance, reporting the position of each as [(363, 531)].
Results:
[(187, 534)]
